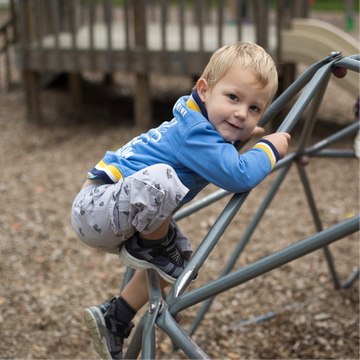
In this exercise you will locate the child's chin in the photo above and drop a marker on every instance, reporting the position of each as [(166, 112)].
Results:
[(230, 137)]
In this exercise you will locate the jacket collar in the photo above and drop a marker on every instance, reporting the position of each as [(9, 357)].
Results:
[(194, 102)]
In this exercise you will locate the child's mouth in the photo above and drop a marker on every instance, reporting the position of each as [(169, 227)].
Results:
[(233, 126)]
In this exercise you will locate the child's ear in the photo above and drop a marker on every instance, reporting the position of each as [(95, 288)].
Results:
[(201, 87)]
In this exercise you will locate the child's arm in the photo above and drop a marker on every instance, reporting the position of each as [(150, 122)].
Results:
[(204, 151)]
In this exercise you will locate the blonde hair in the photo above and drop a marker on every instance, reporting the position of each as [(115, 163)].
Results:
[(246, 55)]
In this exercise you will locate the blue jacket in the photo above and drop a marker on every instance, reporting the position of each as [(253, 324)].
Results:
[(196, 151)]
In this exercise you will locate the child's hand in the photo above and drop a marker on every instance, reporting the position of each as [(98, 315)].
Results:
[(257, 131), (280, 141)]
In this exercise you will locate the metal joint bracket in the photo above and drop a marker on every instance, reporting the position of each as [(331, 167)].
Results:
[(153, 307)]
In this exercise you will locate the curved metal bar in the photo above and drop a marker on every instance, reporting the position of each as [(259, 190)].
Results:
[(200, 204), (273, 261), (336, 153), (207, 245), (242, 243), (348, 63), (349, 130), (293, 89), (304, 99), (134, 347), (351, 279)]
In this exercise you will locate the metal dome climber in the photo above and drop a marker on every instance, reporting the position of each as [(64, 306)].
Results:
[(161, 310)]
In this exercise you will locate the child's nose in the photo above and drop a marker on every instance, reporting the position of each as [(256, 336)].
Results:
[(241, 112)]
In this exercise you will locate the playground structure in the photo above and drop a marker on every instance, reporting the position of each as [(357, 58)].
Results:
[(135, 36), (161, 310), (160, 307)]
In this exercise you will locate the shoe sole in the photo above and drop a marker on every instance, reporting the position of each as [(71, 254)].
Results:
[(138, 264), (93, 317)]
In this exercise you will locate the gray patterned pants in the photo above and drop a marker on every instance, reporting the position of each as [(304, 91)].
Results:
[(104, 216)]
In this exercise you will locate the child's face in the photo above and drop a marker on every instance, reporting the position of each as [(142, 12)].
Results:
[(235, 104)]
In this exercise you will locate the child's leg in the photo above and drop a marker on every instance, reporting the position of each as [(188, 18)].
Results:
[(153, 194), (160, 232), (110, 323), (136, 292)]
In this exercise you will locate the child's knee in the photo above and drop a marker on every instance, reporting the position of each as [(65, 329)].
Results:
[(166, 176)]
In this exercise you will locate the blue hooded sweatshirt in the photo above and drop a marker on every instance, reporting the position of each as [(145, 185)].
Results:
[(195, 150)]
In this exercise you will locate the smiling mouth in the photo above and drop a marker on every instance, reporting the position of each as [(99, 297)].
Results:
[(233, 126)]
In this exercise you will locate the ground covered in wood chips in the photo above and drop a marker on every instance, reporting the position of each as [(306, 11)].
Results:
[(49, 276)]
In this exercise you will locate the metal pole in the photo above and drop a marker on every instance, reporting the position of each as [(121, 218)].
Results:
[(351, 279), (273, 261), (311, 118), (207, 244), (292, 90), (241, 245), (336, 153), (318, 223), (155, 300), (166, 322), (349, 130), (200, 204), (304, 99)]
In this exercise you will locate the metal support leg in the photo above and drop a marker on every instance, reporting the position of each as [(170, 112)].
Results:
[(156, 302), (242, 243), (144, 336), (318, 223), (351, 279)]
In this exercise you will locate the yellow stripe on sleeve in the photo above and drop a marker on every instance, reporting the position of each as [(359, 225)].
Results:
[(268, 152), (114, 170)]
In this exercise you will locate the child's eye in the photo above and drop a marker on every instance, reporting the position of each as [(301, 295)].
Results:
[(233, 97), (254, 108)]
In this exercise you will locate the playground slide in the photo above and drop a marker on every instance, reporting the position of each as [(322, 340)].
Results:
[(310, 40)]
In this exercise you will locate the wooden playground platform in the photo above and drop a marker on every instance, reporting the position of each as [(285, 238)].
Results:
[(144, 37), (137, 36)]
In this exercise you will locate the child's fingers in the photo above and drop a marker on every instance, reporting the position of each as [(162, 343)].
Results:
[(287, 136)]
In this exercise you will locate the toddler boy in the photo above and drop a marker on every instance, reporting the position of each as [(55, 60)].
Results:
[(127, 201)]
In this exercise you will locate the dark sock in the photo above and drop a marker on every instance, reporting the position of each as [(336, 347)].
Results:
[(124, 312), (150, 243)]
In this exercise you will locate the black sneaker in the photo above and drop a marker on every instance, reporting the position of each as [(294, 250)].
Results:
[(107, 332), (165, 259)]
